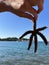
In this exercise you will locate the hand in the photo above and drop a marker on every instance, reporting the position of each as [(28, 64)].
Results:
[(35, 15), (1, 0)]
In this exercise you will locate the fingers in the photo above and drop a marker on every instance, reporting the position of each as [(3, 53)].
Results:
[(29, 9), (40, 7)]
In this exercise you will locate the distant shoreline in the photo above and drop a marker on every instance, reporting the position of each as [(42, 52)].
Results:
[(16, 39), (13, 39)]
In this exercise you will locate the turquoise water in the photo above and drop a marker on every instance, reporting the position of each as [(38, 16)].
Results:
[(16, 53)]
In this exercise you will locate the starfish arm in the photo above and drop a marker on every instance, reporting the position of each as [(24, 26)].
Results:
[(30, 41), (35, 41), (28, 32), (43, 28), (43, 37)]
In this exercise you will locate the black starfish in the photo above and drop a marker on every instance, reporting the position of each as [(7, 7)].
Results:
[(34, 34)]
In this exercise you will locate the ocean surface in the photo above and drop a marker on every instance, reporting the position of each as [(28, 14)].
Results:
[(16, 53)]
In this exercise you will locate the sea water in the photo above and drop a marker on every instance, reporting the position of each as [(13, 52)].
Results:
[(16, 53)]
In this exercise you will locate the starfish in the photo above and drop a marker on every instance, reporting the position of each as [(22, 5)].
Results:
[(34, 34)]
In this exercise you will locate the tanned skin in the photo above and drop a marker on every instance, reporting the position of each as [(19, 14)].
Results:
[(38, 3), (26, 7)]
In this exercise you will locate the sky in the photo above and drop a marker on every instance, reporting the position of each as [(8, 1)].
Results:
[(14, 26)]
